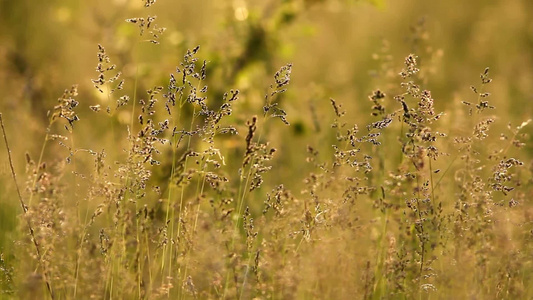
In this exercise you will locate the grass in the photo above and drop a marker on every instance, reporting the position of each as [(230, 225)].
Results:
[(187, 191)]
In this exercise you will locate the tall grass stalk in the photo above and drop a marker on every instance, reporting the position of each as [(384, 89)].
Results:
[(25, 210)]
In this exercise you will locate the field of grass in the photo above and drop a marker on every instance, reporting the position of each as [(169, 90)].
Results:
[(296, 149)]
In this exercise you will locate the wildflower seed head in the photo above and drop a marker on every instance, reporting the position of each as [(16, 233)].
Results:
[(410, 67)]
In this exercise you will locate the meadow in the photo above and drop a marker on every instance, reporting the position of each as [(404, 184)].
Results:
[(296, 149)]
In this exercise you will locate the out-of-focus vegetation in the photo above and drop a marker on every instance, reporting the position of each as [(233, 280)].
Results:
[(293, 149)]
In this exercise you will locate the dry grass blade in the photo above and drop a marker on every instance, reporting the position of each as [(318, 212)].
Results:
[(24, 207)]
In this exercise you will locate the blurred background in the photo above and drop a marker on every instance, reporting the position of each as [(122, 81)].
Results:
[(339, 49)]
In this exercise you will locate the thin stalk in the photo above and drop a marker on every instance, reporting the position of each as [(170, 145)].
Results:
[(422, 241), (78, 258), (116, 265), (246, 273), (39, 163), (25, 209), (431, 180), (182, 197), (199, 192), (242, 190), (170, 196), (446, 171)]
